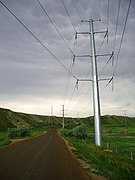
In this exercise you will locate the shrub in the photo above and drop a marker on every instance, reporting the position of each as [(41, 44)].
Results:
[(19, 132), (78, 132)]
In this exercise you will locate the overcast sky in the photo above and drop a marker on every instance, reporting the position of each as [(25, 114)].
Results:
[(32, 81)]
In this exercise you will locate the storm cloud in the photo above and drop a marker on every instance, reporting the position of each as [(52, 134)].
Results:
[(32, 81)]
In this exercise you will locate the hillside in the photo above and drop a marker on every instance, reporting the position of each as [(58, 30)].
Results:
[(9, 119)]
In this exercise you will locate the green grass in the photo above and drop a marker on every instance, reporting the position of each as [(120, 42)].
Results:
[(112, 160), (5, 140), (40, 130), (123, 144)]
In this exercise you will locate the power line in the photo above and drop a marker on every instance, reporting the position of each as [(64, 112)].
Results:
[(54, 26), (68, 82), (75, 8), (37, 39), (122, 37), (106, 34), (85, 107), (108, 12), (82, 97), (80, 91), (68, 15), (71, 98), (116, 28), (71, 69), (111, 57), (99, 8), (107, 84)]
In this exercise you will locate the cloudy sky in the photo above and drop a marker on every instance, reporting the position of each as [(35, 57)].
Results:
[(32, 81)]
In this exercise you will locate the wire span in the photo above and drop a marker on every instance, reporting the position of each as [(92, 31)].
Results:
[(117, 59), (68, 15), (55, 26), (32, 34), (116, 28)]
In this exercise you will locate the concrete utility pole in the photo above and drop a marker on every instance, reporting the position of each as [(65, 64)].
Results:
[(96, 101), (63, 123)]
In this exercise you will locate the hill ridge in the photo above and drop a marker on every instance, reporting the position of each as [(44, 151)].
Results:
[(10, 119)]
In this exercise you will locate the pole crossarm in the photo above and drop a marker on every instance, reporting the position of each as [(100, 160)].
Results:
[(105, 79), (85, 55), (82, 32), (85, 80), (93, 20), (105, 54), (99, 32)]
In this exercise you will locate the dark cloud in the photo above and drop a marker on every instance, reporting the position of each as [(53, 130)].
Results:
[(29, 74)]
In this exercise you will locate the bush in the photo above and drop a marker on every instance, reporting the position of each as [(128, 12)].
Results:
[(19, 132), (78, 132)]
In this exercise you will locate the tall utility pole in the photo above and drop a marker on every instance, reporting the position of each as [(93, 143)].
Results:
[(63, 123), (95, 80), (96, 101)]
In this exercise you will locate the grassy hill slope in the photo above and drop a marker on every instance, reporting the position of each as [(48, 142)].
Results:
[(9, 119)]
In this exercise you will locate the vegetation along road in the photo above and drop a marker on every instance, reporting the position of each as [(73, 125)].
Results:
[(45, 157)]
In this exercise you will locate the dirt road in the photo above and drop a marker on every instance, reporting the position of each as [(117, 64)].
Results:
[(42, 158)]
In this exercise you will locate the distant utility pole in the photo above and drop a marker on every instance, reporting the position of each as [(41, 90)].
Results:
[(63, 123), (125, 118), (95, 80), (51, 111), (51, 115)]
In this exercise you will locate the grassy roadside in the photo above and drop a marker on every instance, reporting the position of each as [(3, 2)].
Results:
[(103, 161), (33, 132)]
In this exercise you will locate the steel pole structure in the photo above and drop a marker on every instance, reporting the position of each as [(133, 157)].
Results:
[(63, 124), (96, 99)]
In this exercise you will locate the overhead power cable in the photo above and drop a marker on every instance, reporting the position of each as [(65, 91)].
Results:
[(68, 15), (122, 37), (71, 69), (68, 81), (107, 84), (85, 107), (32, 34), (111, 57), (75, 8), (71, 98), (54, 26), (80, 91), (99, 3), (116, 28), (108, 12), (106, 35)]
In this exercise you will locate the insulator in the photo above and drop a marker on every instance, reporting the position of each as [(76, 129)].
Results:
[(107, 35), (76, 35), (73, 59), (112, 60), (112, 84), (77, 84)]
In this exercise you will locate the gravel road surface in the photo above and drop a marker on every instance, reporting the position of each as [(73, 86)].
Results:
[(42, 158)]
